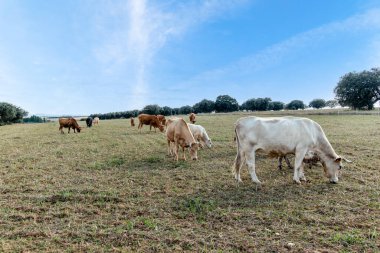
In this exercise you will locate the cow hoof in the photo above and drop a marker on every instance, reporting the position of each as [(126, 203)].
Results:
[(257, 182), (296, 181)]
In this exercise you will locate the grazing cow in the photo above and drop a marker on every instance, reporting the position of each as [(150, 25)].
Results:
[(95, 121), (89, 122), (162, 120), (192, 118), (280, 136), (310, 159), (200, 135), (151, 120), (178, 132), (68, 123), (132, 121)]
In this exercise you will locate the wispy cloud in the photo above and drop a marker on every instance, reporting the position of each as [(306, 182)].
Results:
[(274, 55), (143, 28)]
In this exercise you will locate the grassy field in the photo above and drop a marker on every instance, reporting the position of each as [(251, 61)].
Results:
[(112, 189)]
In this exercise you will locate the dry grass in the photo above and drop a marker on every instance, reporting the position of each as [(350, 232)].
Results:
[(110, 188)]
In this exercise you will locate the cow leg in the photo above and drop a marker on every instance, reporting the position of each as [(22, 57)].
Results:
[(169, 149), (301, 174), (60, 128), (239, 161), (250, 160), (176, 151), (280, 162), (69, 130), (288, 162), (184, 155), (298, 160)]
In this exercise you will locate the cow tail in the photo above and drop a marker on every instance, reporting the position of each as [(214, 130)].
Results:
[(238, 158)]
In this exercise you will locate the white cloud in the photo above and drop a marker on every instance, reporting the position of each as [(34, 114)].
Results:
[(142, 28), (275, 54)]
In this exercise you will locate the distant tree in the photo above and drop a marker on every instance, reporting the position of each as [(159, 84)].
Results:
[(262, 104), (166, 111), (33, 119), (225, 103), (359, 90), (11, 114), (151, 109), (331, 103), (204, 106), (317, 103), (276, 106), (249, 105), (185, 109), (175, 111), (295, 105)]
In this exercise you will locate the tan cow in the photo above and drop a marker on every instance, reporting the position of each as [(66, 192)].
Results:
[(95, 121), (68, 123), (151, 120), (132, 122), (178, 132), (192, 118)]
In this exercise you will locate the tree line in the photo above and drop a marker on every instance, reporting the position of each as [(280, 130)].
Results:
[(358, 90), (223, 103)]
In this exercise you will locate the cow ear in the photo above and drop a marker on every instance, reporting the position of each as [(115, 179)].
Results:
[(338, 159)]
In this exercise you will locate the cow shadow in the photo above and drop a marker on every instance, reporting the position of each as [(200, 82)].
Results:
[(249, 195)]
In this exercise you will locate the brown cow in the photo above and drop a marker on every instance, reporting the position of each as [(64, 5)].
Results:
[(132, 121), (151, 120), (178, 132), (162, 120), (192, 118), (68, 123)]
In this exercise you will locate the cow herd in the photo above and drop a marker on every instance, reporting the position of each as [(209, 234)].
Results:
[(275, 136)]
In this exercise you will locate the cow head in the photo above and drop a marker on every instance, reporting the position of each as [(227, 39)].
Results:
[(332, 168), (209, 143), (161, 127), (78, 129), (193, 150)]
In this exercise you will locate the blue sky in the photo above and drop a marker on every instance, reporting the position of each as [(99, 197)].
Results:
[(94, 56)]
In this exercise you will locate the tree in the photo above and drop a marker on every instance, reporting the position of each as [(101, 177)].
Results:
[(249, 105), (166, 111), (359, 90), (151, 109), (33, 119), (185, 109), (204, 106), (317, 103), (11, 114), (276, 106), (225, 103), (331, 103), (262, 104), (295, 105)]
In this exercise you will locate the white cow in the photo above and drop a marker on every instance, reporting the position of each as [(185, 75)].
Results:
[(200, 134), (280, 136)]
